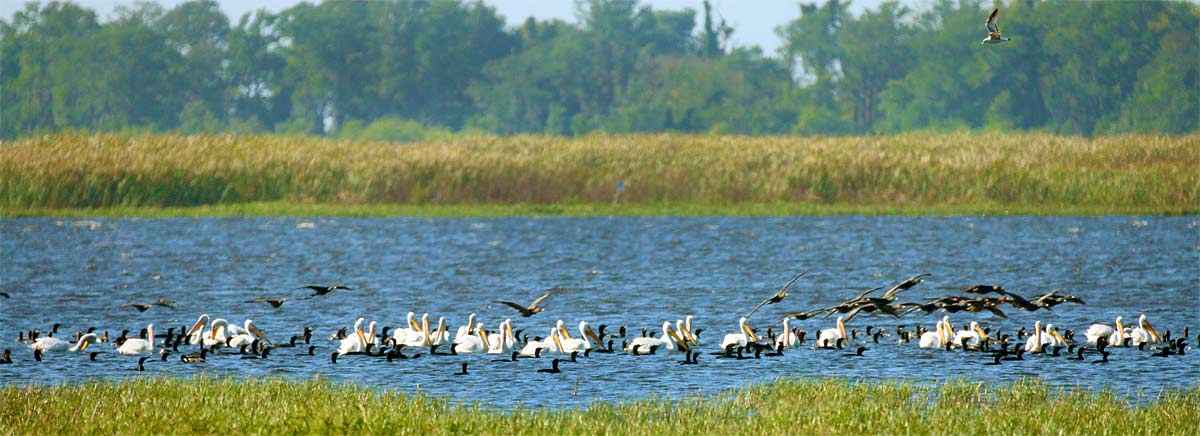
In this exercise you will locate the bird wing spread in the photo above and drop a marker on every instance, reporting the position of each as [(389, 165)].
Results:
[(539, 300), (514, 306), (991, 22)]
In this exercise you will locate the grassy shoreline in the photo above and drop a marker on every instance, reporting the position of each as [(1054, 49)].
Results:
[(789, 406), (647, 174), (291, 209)]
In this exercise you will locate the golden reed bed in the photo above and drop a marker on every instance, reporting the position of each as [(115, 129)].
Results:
[(1143, 173)]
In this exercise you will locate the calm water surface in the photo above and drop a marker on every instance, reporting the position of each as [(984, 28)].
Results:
[(633, 271)]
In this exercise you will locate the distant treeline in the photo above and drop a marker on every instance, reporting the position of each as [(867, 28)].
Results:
[(424, 69)]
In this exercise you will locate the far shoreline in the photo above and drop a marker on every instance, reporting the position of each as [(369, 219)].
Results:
[(586, 210)]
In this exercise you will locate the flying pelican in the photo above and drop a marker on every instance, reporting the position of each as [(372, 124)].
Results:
[(356, 343), (738, 339), (534, 307), (1097, 331), (139, 345), (1144, 333), (993, 30)]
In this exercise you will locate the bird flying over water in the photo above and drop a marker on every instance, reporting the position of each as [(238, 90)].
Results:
[(534, 307), (274, 302), (142, 307), (993, 30), (319, 290), (778, 295)]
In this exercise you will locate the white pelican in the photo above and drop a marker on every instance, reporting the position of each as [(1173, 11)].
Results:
[(686, 332), (934, 339), (787, 339), (644, 343), (410, 335), (370, 334), (1097, 331), (1052, 338), (139, 345), (682, 344), (440, 334), (217, 335), (355, 343), (195, 335), (579, 344), (476, 343), (746, 335), (1036, 341), (1144, 333), (971, 338), (532, 346), (465, 330), (247, 338), (829, 337), (48, 343), (502, 341)]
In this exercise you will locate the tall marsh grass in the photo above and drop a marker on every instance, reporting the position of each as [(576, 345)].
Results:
[(1135, 172), (806, 406)]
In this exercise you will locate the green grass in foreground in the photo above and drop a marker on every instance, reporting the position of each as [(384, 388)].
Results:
[(806, 406), (273, 209)]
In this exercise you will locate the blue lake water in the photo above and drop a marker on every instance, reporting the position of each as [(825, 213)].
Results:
[(636, 272)]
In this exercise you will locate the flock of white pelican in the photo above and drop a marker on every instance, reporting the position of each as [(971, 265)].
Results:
[(216, 336)]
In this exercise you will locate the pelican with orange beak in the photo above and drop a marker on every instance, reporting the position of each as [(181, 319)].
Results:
[(1144, 333)]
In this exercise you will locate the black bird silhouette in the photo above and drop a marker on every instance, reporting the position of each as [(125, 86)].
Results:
[(142, 363), (37, 354), (690, 358), (142, 307), (7, 359), (274, 302), (4, 294), (1078, 354), (190, 358), (512, 358), (534, 307), (997, 357), (985, 289), (553, 369), (858, 352), (904, 286), (464, 369), (1103, 358), (319, 290), (778, 295)]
